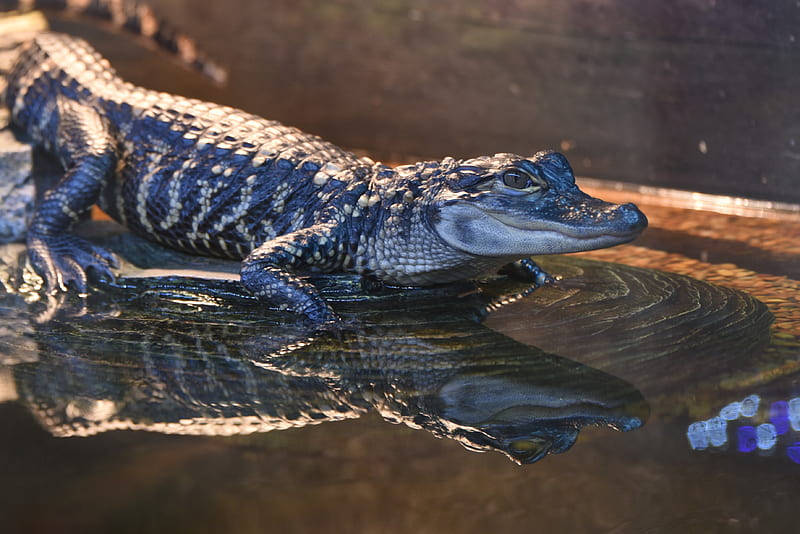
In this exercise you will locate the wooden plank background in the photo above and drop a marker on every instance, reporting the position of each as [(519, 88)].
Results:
[(693, 94)]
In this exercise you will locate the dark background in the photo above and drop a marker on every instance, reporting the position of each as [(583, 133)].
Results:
[(691, 94)]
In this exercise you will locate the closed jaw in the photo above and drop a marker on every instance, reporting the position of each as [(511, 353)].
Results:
[(473, 230)]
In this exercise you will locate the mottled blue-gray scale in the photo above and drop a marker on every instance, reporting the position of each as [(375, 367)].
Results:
[(297, 173), (149, 128), (269, 176)]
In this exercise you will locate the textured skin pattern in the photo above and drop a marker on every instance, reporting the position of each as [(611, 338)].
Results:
[(214, 180)]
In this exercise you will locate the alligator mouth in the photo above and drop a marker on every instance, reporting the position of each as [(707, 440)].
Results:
[(483, 232), (580, 233), (623, 416), (509, 403)]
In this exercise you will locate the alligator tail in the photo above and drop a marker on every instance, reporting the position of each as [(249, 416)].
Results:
[(135, 17)]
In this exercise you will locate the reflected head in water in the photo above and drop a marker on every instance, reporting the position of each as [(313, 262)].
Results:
[(502, 411), (476, 387)]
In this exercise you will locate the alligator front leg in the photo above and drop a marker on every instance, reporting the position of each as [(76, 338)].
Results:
[(87, 150), (527, 271), (270, 271)]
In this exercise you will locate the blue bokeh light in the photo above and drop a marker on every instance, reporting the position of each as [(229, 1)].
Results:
[(717, 429), (698, 435), (750, 405), (794, 413), (779, 416), (766, 436), (793, 452), (746, 437), (782, 416), (731, 411)]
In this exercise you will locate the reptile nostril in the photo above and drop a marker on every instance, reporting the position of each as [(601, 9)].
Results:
[(633, 216)]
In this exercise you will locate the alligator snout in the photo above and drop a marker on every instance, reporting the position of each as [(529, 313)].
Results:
[(632, 217)]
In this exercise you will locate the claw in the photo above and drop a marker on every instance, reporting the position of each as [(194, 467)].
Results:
[(334, 328), (527, 271), (322, 316), (107, 257), (543, 278), (101, 273), (63, 261), (75, 275)]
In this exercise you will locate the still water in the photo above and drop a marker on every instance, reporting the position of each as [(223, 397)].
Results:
[(623, 399), (655, 388)]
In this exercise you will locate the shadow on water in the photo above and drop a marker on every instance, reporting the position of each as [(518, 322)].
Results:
[(174, 356)]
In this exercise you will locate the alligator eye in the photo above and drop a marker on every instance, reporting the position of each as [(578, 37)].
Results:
[(516, 179), (529, 450), (520, 180)]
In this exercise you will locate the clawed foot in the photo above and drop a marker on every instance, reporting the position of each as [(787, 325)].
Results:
[(59, 304), (334, 328), (63, 261), (527, 271), (322, 318)]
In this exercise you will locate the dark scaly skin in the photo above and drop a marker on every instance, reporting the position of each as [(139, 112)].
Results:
[(213, 180)]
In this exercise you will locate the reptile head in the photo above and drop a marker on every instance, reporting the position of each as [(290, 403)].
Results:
[(507, 205), (538, 408)]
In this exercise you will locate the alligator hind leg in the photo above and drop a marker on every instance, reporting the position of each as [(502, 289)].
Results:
[(86, 148), (527, 271)]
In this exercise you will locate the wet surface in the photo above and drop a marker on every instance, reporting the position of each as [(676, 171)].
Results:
[(176, 404), (164, 404), (177, 356)]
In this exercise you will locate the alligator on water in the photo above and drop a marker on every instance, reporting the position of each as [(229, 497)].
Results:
[(213, 180)]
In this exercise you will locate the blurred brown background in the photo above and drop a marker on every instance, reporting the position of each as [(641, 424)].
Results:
[(692, 94)]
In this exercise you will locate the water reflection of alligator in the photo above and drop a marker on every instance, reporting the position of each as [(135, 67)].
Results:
[(145, 357), (422, 360)]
